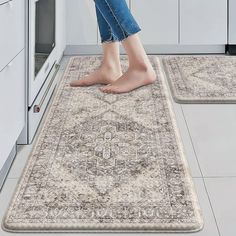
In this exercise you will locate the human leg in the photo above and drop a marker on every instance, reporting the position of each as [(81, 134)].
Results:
[(140, 71), (118, 16), (110, 68), (123, 25)]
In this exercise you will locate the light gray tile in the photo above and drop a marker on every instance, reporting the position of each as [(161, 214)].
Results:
[(63, 62), (222, 192), (186, 140), (213, 131), (20, 161), (209, 229)]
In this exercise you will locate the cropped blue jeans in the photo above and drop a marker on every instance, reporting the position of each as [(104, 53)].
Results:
[(115, 20)]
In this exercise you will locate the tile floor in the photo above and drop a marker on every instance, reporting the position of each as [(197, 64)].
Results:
[(208, 133)]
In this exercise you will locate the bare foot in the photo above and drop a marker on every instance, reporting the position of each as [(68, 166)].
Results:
[(131, 79), (103, 75)]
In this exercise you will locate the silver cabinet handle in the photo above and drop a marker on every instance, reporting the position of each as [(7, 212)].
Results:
[(37, 108)]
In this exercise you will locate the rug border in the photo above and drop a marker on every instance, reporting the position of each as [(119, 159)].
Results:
[(193, 100), (191, 185), (174, 229)]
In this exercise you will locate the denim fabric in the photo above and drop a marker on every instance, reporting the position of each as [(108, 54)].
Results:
[(115, 20)]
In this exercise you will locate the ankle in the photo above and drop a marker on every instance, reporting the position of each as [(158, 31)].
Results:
[(140, 66), (111, 66)]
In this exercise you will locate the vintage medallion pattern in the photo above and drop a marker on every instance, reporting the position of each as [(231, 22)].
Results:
[(106, 162), (201, 79)]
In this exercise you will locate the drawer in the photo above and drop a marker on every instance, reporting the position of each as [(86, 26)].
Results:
[(12, 103), (12, 30)]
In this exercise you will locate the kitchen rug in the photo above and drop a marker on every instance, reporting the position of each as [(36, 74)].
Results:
[(201, 79), (106, 163)]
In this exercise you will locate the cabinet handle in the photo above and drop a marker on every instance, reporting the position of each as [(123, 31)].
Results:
[(37, 108)]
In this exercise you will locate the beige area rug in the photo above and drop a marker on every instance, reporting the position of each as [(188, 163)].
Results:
[(201, 79), (106, 163)]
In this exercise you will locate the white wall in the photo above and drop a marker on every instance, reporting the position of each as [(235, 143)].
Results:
[(61, 27), (168, 26)]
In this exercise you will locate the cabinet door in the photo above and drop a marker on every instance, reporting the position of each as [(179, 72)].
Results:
[(81, 22), (232, 22), (158, 20), (203, 21), (12, 104), (12, 30)]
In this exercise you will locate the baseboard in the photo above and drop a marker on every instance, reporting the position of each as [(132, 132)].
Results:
[(6, 167), (150, 49)]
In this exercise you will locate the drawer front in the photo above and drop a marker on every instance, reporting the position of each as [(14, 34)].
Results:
[(12, 30), (232, 22), (203, 22), (155, 13), (12, 103)]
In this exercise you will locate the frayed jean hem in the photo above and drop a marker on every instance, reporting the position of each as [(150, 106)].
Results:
[(121, 39), (130, 34)]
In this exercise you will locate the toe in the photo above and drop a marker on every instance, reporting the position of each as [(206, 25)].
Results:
[(73, 83), (108, 90), (103, 88), (114, 89), (77, 83)]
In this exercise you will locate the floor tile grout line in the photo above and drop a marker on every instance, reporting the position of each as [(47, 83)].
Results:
[(191, 140), (219, 177), (203, 178)]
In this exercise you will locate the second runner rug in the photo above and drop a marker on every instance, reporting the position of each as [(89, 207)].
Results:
[(106, 163), (201, 79)]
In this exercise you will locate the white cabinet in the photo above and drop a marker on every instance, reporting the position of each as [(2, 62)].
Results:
[(12, 80), (203, 21), (232, 22), (163, 22), (81, 22), (158, 20), (11, 28), (12, 104)]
